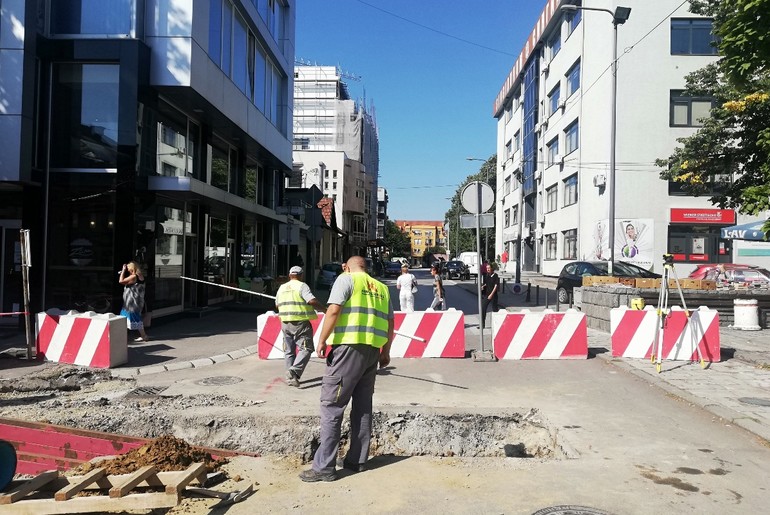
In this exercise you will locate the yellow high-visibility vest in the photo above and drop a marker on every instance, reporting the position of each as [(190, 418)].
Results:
[(291, 306), (363, 319)]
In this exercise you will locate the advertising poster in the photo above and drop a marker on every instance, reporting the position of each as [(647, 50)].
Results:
[(634, 241)]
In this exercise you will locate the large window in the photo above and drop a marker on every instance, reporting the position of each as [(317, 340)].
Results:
[(178, 142), (550, 246), (551, 197), (570, 244), (93, 17), (553, 99), (688, 111), (573, 20), (84, 126), (554, 43), (220, 164), (571, 190), (571, 137), (573, 79), (692, 36), (553, 150), (215, 31)]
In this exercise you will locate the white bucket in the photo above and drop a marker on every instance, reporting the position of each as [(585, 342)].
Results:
[(746, 314)]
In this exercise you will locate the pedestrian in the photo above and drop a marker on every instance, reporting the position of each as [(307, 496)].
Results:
[(407, 287), (295, 303), (438, 290), (489, 290), (132, 279), (359, 322)]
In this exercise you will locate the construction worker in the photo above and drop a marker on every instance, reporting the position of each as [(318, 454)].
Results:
[(295, 303), (359, 324)]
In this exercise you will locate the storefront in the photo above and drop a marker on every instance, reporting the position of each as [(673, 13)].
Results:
[(694, 235)]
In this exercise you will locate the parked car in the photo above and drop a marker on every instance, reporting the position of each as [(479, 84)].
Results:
[(327, 275), (392, 269), (457, 269), (471, 259), (709, 271), (572, 274)]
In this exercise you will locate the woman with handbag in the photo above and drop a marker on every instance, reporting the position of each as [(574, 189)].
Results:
[(407, 286), (132, 279)]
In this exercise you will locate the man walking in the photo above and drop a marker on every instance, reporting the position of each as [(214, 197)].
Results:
[(295, 303), (359, 321), (489, 288)]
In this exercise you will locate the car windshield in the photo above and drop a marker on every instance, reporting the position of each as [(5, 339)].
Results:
[(331, 267)]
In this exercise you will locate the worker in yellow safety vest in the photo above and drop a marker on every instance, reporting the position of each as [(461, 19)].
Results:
[(356, 336), (296, 303)]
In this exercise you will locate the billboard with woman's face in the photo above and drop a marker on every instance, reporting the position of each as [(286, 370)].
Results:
[(634, 241)]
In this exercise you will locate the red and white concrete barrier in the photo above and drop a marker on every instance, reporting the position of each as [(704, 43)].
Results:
[(443, 333), (540, 335), (88, 339), (633, 333)]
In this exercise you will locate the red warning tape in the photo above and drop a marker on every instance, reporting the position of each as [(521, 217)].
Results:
[(14, 313)]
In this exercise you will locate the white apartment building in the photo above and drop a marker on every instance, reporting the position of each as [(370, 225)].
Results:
[(334, 134), (554, 140)]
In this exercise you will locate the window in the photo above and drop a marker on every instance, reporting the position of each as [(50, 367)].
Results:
[(573, 20), (507, 185), (517, 141), (326, 174), (334, 185), (571, 190), (515, 215), (553, 150), (688, 111), (334, 174), (507, 218), (509, 149), (550, 246), (93, 17), (551, 198), (554, 44), (692, 36), (326, 185), (573, 79), (508, 112), (571, 140), (553, 99), (570, 244), (418, 241)]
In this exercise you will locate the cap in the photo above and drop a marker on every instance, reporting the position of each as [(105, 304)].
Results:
[(404, 266), (295, 270)]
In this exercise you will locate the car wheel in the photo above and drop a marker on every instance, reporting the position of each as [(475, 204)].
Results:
[(563, 295)]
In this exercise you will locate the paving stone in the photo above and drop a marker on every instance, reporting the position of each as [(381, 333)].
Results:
[(153, 369), (203, 362), (179, 365), (221, 358)]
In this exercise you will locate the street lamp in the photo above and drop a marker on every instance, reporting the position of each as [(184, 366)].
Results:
[(486, 181), (619, 17)]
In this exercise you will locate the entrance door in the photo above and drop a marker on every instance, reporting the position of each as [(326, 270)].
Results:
[(191, 270), (10, 272)]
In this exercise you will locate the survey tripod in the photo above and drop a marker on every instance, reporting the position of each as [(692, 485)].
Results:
[(663, 311)]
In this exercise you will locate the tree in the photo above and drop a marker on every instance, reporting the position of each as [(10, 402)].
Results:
[(729, 157), (464, 240), (397, 240)]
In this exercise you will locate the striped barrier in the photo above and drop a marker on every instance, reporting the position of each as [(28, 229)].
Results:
[(87, 339), (540, 335), (633, 333), (443, 333)]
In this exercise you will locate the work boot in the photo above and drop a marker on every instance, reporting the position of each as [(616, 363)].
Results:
[(353, 467), (291, 379), (311, 476)]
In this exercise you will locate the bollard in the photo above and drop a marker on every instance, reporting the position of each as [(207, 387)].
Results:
[(537, 295), (502, 286), (571, 299), (558, 304), (529, 289), (546, 298)]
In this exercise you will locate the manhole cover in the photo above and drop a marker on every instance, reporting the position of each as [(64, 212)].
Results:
[(755, 401), (571, 510), (146, 391), (219, 380)]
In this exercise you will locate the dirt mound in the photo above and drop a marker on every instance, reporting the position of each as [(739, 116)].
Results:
[(166, 453)]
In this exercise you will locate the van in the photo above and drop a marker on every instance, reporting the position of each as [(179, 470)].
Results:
[(472, 260)]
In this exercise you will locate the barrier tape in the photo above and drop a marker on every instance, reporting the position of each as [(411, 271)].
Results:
[(13, 313)]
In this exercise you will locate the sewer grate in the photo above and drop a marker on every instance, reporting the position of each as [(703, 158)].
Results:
[(755, 401), (571, 510), (146, 391), (219, 380)]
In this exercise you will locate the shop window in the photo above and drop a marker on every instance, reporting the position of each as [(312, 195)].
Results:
[(169, 257)]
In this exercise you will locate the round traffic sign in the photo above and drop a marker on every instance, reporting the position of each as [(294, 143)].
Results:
[(477, 197)]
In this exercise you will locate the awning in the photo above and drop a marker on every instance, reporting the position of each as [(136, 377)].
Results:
[(750, 231)]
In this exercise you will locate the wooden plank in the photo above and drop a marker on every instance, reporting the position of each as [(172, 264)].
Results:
[(29, 486), (74, 488), (98, 504), (196, 470), (159, 480), (133, 480)]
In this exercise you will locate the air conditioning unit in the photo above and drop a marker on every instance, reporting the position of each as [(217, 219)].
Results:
[(525, 232), (546, 67), (558, 159), (600, 180), (539, 233), (562, 104), (538, 175)]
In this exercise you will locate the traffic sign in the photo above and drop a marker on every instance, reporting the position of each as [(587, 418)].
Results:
[(477, 197), (469, 221)]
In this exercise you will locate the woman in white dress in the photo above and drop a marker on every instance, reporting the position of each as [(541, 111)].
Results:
[(405, 284)]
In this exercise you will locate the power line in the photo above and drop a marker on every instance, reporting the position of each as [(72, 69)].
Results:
[(445, 34)]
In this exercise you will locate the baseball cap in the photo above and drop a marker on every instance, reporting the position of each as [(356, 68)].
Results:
[(295, 270)]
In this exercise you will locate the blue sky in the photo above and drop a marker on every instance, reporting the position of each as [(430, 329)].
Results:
[(432, 69)]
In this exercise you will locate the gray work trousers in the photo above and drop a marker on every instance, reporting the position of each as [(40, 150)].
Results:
[(297, 346), (350, 374)]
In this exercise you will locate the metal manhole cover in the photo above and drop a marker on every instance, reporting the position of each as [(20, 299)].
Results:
[(571, 510), (219, 380), (146, 391), (755, 401)]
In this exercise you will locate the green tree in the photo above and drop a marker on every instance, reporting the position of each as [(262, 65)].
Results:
[(464, 240), (729, 157), (397, 240)]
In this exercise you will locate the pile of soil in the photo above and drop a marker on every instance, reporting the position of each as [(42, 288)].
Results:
[(166, 453)]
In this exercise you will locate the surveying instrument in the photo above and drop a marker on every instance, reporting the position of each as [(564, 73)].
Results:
[(663, 311)]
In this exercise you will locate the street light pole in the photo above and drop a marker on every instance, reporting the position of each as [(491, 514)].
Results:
[(619, 17)]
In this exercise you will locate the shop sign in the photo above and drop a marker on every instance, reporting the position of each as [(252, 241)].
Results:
[(702, 216), (81, 252)]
